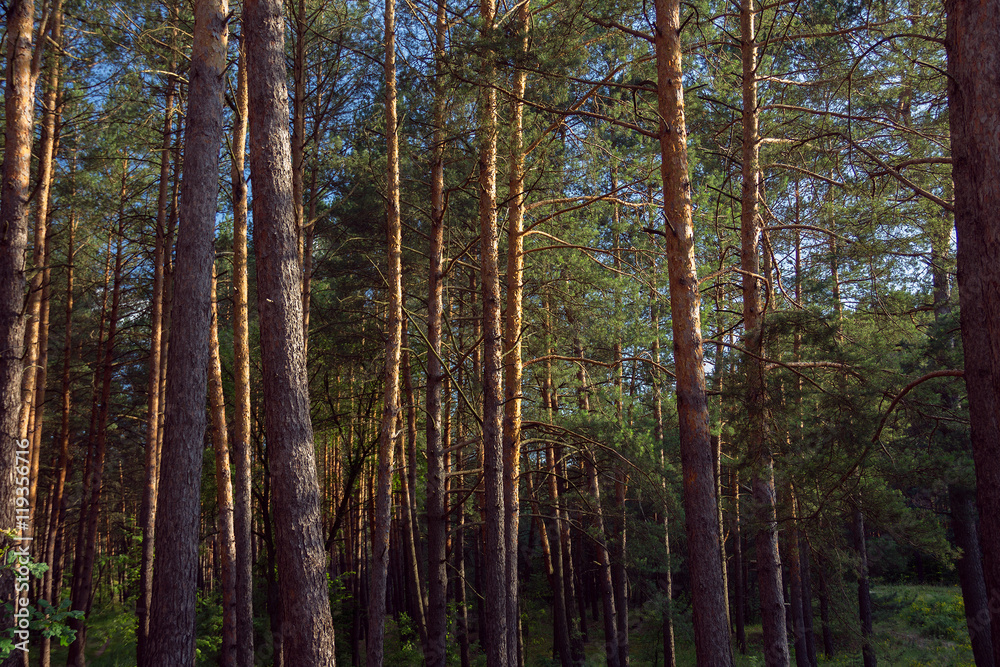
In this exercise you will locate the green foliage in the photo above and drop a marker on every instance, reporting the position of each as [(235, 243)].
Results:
[(208, 620), (40, 617)]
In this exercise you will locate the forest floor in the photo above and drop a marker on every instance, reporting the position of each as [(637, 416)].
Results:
[(915, 626)]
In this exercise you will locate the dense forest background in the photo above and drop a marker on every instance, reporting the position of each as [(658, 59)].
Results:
[(496, 463)]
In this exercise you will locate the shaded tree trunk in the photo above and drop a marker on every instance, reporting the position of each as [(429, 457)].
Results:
[(864, 593), (970, 573), (974, 115), (772, 603), (172, 613), (669, 658), (307, 627), (87, 551), (416, 601), (795, 586), (52, 585), (147, 512)]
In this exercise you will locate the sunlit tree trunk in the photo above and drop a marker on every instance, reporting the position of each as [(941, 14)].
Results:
[(711, 632), (226, 538), (513, 370), (772, 604), (19, 97), (242, 505), (496, 633), (437, 574), (394, 332), (38, 292)]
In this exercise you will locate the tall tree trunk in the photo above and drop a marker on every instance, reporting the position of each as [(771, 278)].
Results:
[(669, 658), (604, 567), (437, 574), (561, 628), (619, 523), (960, 496), (242, 499), (19, 100), (772, 603), (807, 609), (147, 512), (512, 339), (83, 579), (95, 405), (557, 479), (795, 585), (307, 626), (172, 613), (739, 581), (970, 573), (499, 598), (38, 307), (864, 593), (408, 483), (711, 631), (824, 610), (52, 585), (226, 538), (393, 334)]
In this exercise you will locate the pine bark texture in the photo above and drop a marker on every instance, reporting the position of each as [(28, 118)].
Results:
[(307, 627), (711, 632), (974, 114), (172, 615), (147, 512), (226, 538), (18, 109), (393, 348), (437, 573), (242, 487), (496, 632), (513, 369), (772, 603), (970, 573)]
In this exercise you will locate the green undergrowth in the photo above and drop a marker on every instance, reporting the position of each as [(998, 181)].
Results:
[(915, 626)]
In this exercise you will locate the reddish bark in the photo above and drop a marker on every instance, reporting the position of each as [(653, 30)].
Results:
[(711, 631), (974, 115), (172, 613), (307, 627)]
